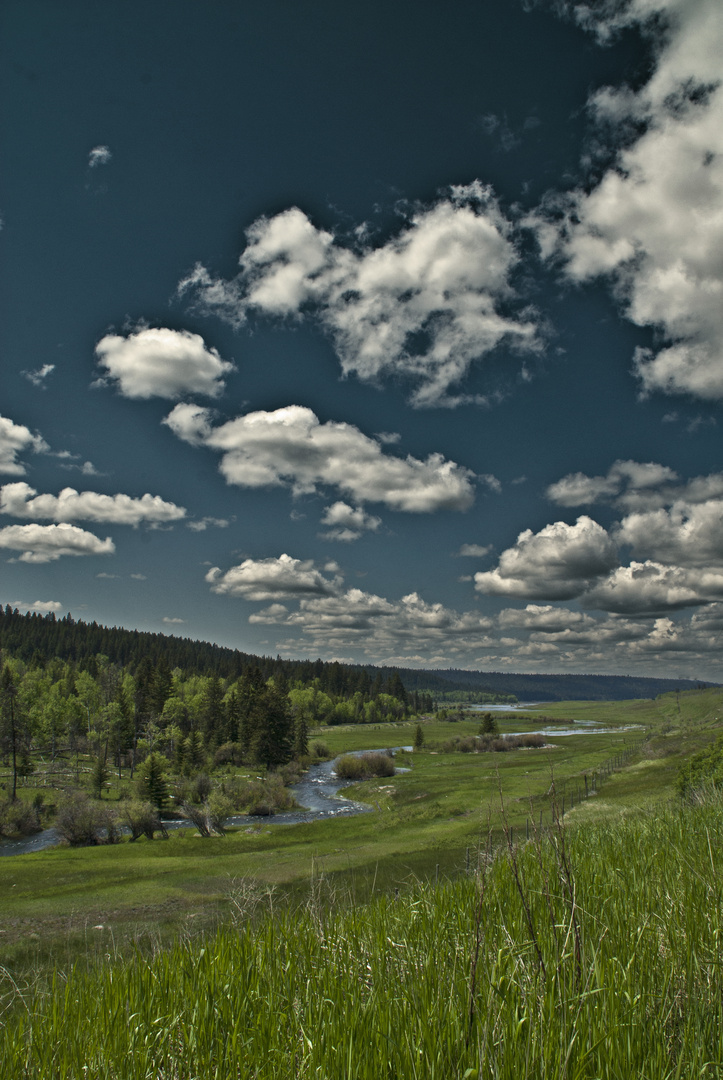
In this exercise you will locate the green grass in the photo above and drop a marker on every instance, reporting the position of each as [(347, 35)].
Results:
[(593, 954), (423, 824)]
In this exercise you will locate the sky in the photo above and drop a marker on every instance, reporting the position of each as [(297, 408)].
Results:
[(389, 333)]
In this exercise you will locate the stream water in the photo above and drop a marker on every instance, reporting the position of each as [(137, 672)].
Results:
[(316, 792)]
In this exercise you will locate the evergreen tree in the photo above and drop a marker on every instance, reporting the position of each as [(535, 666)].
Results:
[(233, 717), (10, 719), (271, 742), (99, 776), (418, 737), (152, 780), (488, 724), (195, 754), (214, 714), (301, 737)]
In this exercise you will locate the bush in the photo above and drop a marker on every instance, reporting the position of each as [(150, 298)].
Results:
[(201, 788), (209, 817), (83, 823), (364, 766), (231, 753), (218, 809), (142, 819), (320, 750), (20, 818)]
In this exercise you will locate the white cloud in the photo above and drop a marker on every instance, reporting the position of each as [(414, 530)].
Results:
[(346, 523), (46, 543), (557, 563), (632, 485), (43, 607), (686, 535), (207, 523), (271, 579), (17, 439), (21, 501), (543, 618), (38, 377), (99, 155), (377, 626), (577, 489), (424, 305), (650, 587), (291, 448), (654, 223), (474, 551), (162, 363), (173, 622)]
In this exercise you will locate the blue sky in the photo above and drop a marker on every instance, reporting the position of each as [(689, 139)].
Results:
[(390, 333)]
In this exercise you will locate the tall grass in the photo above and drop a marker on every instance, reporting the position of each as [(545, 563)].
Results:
[(591, 954)]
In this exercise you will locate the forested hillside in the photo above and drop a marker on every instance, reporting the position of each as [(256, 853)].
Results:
[(121, 700)]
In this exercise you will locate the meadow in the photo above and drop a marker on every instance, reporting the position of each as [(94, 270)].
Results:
[(463, 928)]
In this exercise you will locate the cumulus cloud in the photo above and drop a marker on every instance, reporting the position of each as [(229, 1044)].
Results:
[(291, 448), (632, 485), (686, 535), (650, 587), (99, 155), (424, 305), (378, 626), (21, 501), (347, 523), (653, 224), (544, 618), (558, 563), (161, 363), (17, 439), (47, 543), (271, 579)]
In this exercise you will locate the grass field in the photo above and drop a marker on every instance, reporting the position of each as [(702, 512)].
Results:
[(591, 953), (65, 905)]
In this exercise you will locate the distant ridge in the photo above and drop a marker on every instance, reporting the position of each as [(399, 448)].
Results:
[(546, 687), (37, 636)]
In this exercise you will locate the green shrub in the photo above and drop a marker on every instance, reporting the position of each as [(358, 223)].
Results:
[(83, 823), (20, 818), (364, 766), (141, 819)]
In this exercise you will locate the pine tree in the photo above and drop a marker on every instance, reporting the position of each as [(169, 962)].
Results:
[(271, 742), (152, 781), (488, 724), (10, 718), (99, 776), (301, 737), (418, 737)]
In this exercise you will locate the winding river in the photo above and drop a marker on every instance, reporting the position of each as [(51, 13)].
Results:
[(317, 792)]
